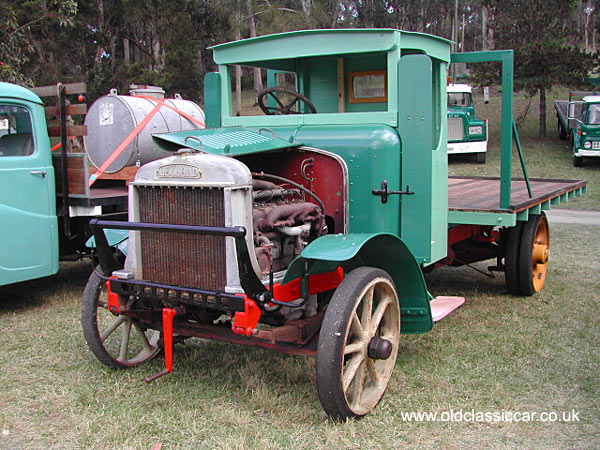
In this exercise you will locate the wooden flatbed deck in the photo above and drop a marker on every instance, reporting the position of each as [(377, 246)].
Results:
[(482, 194)]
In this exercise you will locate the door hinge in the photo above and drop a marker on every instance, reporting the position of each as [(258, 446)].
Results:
[(384, 192)]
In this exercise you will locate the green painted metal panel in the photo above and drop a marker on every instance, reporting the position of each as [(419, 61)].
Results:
[(384, 251), (372, 154), (415, 126), (29, 238), (12, 91), (535, 210), (212, 99), (482, 218), (555, 201), (226, 141), (523, 216), (264, 50), (546, 205)]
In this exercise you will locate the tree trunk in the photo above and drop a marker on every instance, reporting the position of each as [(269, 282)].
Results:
[(258, 85), (126, 52), (542, 132)]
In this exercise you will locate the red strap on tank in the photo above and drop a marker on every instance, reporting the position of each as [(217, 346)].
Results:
[(178, 111), (137, 130)]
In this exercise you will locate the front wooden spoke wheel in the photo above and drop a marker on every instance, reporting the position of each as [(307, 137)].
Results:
[(116, 340), (358, 344)]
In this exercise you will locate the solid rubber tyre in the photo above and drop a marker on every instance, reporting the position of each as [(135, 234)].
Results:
[(480, 157), (350, 382), (562, 133), (534, 254), (108, 349), (577, 161), (511, 259)]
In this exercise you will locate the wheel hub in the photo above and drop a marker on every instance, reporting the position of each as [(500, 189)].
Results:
[(379, 348), (541, 253)]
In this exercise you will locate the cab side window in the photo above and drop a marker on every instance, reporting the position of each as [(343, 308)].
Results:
[(16, 137)]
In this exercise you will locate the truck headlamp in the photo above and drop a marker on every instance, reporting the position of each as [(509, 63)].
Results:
[(587, 144), (476, 130)]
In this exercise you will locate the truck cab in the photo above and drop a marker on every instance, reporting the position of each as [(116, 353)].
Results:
[(466, 132), (28, 220), (586, 138)]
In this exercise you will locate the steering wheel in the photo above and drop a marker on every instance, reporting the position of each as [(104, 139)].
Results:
[(282, 108)]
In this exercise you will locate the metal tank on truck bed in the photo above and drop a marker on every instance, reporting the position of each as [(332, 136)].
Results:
[(112, 117)]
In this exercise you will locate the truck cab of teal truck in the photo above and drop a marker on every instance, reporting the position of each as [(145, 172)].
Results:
[(466, 132), (586, 135), (28, 220)]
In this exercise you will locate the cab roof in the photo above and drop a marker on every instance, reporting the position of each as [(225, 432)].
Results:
[(458, 88), (9, 90), (278, 51), (592, 98)]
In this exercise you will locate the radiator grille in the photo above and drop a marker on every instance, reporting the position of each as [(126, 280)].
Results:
[(456, 131), (177, 258)]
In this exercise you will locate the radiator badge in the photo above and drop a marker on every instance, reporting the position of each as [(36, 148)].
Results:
[(178, 171)]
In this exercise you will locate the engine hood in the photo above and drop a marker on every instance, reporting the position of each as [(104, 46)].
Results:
[(232, 141)]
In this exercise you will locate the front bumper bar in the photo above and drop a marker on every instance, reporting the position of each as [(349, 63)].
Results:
[(249, 281)]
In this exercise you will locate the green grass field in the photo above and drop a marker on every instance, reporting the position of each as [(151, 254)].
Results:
[(497, 353)]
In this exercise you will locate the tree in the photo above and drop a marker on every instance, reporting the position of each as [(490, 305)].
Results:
[(18, 23), (536, 31)]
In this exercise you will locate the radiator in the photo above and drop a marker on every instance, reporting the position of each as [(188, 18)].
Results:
[(456, 130), (183, 259)]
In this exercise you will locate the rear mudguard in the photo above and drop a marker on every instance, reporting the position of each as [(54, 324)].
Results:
[(382, 250)]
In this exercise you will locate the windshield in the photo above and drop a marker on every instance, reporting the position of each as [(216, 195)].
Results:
[(594, 115), (459, 99)]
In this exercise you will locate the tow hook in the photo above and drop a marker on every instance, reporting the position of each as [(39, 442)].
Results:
[(168, 318)]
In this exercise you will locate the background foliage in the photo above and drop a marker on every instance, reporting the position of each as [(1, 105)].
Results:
[(113, 43)]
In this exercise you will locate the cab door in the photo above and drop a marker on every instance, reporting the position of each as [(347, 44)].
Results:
[(28, 223)]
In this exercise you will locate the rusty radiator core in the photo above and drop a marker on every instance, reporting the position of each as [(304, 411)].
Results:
[(183, 259)]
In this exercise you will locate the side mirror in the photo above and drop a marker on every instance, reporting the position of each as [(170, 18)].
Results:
[(571, 111), (574, 110)]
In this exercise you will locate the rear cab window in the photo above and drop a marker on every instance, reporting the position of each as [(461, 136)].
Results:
[(16, 136)]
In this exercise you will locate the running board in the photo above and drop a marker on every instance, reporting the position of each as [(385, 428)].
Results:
[(443, 305)]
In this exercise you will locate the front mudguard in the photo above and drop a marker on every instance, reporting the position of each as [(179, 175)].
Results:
[(382, 250)]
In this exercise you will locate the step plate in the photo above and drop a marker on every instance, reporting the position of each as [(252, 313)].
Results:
[(444, 305)]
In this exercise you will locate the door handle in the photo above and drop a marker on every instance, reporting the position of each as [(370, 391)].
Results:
[(39, 173)]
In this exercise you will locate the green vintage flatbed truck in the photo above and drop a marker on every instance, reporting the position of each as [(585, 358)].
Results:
[(305, 228), (579, 120), (39, 225)]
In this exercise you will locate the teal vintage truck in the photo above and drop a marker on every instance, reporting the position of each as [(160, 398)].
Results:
[(44, 215), (306, 227), (466, 132), (47, 196), (580, 121)]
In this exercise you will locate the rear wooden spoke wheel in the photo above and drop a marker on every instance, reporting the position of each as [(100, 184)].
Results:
[(115, 339), (358, 344), (534, 254)]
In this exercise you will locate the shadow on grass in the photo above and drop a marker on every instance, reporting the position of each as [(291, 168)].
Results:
[(35, 293), (465, 281)]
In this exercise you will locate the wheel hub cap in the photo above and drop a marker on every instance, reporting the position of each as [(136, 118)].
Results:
[(379, 348)]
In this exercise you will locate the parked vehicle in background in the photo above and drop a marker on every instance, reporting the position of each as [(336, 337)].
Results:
[(466, 132), (580, 120), (46, 198)]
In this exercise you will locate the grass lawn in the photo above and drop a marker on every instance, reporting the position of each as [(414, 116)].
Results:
[(496, 354)]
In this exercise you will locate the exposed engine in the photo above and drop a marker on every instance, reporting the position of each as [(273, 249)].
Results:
[(283, 224)]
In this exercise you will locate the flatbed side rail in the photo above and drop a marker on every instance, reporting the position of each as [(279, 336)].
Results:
[(506, 57)]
